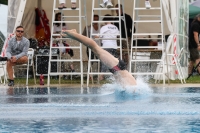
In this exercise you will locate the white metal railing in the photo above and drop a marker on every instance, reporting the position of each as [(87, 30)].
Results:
[(59, 60), (90, 72), (151, 18)]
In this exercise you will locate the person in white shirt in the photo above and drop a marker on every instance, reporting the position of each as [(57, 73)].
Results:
[(57, 28), (106, 3), (62, 4), (116, 66), (108, 33)]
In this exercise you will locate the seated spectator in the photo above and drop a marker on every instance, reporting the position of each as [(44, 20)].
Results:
[(58, 27)]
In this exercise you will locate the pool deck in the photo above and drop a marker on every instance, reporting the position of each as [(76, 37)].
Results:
[(98, 85)]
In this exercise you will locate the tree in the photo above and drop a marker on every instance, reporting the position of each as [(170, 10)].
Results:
[(2, 39), (5, 2)]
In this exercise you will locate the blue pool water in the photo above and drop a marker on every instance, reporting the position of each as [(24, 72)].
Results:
[(104, 109)]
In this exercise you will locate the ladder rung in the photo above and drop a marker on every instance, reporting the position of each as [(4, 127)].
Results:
[(140, 34), (114, 21), (104, 73), (104, 34), (105, 8), (111, 16), (151, 16), (145, 47), (57, 39), (146, 21), (108, 39), (67, 60), (145, 73), (66, 47), (67, 9), (64, 73), (73, 16), (143, 8), (147, 60), (93, 60), (145, 38), (66, 21)]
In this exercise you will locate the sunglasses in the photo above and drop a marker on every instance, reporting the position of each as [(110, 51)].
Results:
[(20, 31)]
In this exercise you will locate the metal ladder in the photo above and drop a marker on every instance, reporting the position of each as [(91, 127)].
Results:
[(99, 9), (149, 18), (79, 23)]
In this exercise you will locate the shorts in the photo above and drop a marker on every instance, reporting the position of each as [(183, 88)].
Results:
[(194, 54), (113, 52)]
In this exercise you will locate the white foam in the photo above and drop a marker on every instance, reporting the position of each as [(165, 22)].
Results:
[(141, 88)]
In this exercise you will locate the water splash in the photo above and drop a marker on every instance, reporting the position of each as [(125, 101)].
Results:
[(141, 88)]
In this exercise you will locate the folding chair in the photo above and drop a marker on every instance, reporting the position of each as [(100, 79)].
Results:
[(3, 71), (30, 63), (177, 65)]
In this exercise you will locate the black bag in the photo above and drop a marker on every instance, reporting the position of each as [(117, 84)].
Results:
[(33, 43), (71, 52)]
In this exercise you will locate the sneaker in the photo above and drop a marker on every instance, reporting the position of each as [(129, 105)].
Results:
[(109, 4), (11, 83), (61, 6), (3, 58), (73, 7), (147, 5), (102, 5)]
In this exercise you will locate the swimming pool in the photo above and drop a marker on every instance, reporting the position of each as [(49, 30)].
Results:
[(104, 109)]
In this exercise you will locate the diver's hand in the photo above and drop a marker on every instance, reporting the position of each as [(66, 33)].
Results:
[(67, 33)]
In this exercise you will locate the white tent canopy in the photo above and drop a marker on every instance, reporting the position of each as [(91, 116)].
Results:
[(22, 12)]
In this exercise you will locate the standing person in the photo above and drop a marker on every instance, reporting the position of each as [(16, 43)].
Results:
[(62, 4), (16, 52), (117, 67), (109, 42), (57, 28), (106, 3), (194, 44), (129, 23), (95, 30)]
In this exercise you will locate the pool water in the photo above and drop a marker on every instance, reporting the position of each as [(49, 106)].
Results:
[(104, 109)]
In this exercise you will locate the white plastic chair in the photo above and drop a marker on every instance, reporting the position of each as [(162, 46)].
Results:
[(176, 64), (3, 71), (30, 63)]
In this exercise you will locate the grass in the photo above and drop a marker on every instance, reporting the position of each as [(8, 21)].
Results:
[(22, 81)]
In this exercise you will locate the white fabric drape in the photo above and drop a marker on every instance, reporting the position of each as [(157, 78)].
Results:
[(169, 8)]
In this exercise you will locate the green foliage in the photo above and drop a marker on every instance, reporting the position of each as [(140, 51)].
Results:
[(2, 39), (4, 2)]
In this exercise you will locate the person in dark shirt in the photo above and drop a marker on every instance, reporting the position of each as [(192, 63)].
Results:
[(128, 20), (129, 23), (194, 44)]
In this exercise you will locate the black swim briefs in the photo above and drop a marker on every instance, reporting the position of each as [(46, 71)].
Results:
[(120, 66)]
